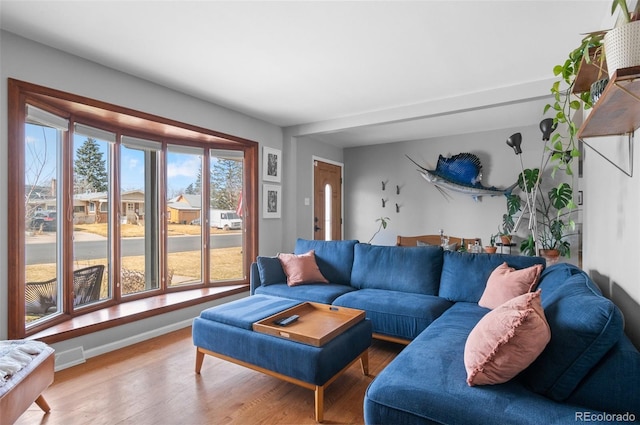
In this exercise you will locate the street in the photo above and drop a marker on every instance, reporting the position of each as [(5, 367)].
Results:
[(42, 253)]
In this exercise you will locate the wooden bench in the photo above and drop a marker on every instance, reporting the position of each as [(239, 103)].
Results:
[(26, 386)]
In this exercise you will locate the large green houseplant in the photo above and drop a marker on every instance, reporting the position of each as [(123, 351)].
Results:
[(554, 224), (548, 213)]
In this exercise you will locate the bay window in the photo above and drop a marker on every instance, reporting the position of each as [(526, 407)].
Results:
[(111, 205)]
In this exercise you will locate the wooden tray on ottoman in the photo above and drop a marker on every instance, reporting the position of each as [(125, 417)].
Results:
[(318, 323)]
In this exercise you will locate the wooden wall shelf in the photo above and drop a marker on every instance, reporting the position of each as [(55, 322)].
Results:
[(618, 109), (591, 71)]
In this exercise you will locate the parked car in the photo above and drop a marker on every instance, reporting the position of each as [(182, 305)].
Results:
[(196, 221), (44, 219)]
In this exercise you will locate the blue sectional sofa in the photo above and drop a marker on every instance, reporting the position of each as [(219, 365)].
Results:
[(428, 298)]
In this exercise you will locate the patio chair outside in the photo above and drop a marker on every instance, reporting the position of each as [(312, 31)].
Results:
[(42, 296)]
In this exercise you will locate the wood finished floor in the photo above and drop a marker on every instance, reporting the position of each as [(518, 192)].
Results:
[(154, 382)]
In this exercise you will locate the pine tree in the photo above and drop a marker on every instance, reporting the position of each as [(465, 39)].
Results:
[(197, 186), (226, 184), (90, 168), (190, 190)]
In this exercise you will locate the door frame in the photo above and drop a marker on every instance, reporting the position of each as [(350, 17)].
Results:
[(315, 158)]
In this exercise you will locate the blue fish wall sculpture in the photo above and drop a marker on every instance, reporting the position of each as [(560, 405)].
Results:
[(460, 173)]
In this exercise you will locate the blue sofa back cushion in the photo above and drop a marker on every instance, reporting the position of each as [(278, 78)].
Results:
[(465, 275), (554, 277), (334, 258), (399, 268), (270, 271), (584, 326), (324, 293)]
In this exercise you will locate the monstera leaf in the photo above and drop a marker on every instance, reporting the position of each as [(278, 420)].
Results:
[(514, 203), (561, 196), (527, 183)]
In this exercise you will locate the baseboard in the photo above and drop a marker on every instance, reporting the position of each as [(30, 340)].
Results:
[(78, 355)]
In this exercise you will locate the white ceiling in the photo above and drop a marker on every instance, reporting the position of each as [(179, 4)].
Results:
[(347, 73)]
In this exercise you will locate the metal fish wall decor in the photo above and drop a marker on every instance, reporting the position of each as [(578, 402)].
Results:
[(460, 173)]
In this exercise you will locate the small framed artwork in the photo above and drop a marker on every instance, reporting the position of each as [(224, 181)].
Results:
[(271, 201), (271, 164)]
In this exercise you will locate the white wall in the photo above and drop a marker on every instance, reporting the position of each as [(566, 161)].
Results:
[(35, 63), (422, 209), (612, 227)]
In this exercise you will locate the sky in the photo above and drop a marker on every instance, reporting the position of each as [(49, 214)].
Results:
[(182, 168)]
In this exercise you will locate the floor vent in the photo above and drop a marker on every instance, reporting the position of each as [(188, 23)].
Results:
[(69, 358)]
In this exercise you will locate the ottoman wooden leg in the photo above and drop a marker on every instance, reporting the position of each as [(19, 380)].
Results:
[(42, 403), (199, 360), (364, 363), (319, 403)]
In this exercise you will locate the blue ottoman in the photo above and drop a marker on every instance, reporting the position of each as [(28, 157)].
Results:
[(226, 332)]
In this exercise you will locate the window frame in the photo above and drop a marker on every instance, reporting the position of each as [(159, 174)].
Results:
[(136, 124)]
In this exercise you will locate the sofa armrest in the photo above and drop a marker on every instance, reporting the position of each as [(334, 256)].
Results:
[(254, 278)]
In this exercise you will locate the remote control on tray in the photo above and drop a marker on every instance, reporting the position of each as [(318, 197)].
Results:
[(287, 320)]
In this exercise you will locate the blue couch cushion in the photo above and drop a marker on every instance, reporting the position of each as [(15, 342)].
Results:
[(619, 373), (270, 270), (398, 314), (324, 293), (244, 312), (426, 384), (334, 258), (399, 268), (465, 275), (584, 326)]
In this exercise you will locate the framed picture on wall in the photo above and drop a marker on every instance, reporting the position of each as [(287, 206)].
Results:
[(271, 201), (271, 164)]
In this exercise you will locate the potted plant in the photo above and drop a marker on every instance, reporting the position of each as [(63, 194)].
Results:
[(561, 148), (622, 43), (552, 217), (492, 248), (383, 225)]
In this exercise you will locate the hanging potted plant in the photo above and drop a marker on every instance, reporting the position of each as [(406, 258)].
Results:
[(562, 145), (622, 43)]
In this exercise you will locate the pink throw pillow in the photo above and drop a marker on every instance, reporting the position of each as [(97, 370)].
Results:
[(506, 341), (301, 269), (506, 283)]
